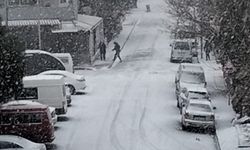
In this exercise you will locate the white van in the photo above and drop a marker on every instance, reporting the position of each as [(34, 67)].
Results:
[(46, 89), (37, 61), (66, 59), (181, 51)]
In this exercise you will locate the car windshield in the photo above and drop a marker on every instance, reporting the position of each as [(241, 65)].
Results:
[(197, 95), (193, 77), (199, 107), (182, 46)]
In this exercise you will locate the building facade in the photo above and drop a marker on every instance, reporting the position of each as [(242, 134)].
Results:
[(54, 26)]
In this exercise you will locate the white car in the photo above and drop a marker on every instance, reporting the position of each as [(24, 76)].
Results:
[(76, 83), (9, 142), (198, 113), (189, 75)]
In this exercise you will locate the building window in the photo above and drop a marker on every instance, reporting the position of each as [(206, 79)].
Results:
[(13, 2), (2, 4), (63, 1), (28, 2)]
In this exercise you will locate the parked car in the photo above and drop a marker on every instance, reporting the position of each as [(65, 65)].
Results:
[(66, 59), (192, 93), (28, 119), (53, 115), (76, 83), (37, 61), (198, 113), (45, 89), (189, 75), (12, 142), (181, 51)]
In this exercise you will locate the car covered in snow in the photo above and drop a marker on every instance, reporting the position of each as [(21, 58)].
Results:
[(37, 61), (76, 83), (181, 51), (28, 119), (12, 142), (189, 76), (198, 113)]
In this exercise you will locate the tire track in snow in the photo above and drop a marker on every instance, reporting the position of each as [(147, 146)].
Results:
[(109, 114), (113, 136)]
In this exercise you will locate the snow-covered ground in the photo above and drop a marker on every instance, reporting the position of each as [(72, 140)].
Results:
[(132, 106)]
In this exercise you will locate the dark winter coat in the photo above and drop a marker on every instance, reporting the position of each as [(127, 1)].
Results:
[(102, 47), (117, 48)]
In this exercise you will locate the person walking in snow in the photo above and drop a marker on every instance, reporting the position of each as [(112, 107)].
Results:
[(207, 48), (117, 49), (102, 48)]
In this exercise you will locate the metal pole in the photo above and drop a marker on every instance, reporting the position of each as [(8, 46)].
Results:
[(6, 13), (39, 27)]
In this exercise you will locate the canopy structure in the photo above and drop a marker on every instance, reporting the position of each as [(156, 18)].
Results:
[(83, 23), (32, 22)]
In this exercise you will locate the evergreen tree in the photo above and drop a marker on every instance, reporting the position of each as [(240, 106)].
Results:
[(11, 65), (112, 12)]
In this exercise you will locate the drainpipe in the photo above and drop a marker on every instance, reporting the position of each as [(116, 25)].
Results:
[(6, 13)]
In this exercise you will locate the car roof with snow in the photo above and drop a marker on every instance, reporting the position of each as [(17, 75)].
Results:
[(180, 40), (197, 89), (36, 51), (22, 104), (57, 71), (42, 80), (63, 72), (200, 101), (191, 67)]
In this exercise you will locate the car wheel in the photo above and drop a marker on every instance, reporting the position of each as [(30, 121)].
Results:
[(178, 105), (183, 127), (212, 130), (72, 89), (180, 110)]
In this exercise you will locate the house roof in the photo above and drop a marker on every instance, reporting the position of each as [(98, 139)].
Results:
[(88, 21), (32, 22), (84, 23)]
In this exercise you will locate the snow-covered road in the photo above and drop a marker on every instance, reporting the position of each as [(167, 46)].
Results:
[(132, 106)]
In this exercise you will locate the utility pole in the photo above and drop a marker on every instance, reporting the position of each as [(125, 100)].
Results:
[(39, 26)]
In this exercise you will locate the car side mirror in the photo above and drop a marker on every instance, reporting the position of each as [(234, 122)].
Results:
[(214, 108)]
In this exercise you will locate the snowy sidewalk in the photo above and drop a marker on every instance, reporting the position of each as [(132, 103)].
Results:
[(226, 134), (128, 26)]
